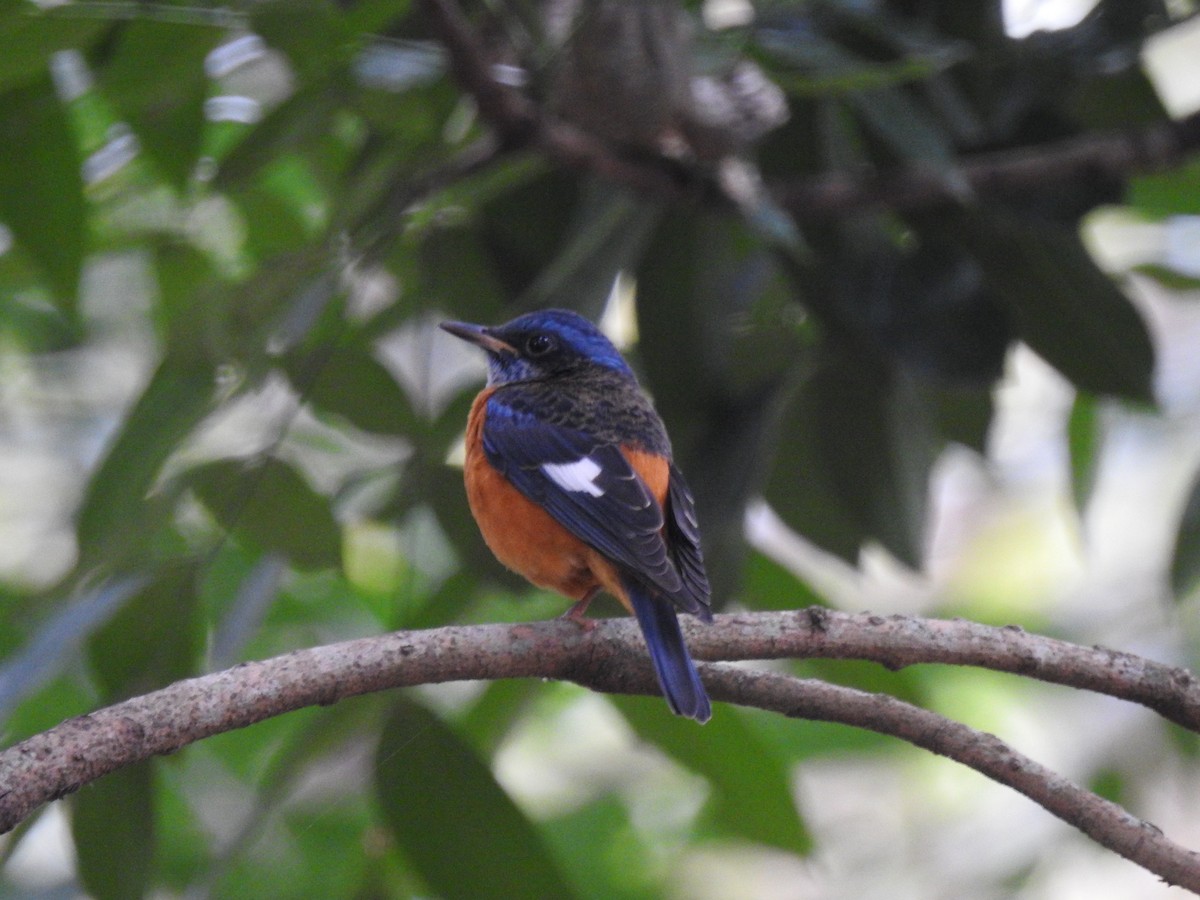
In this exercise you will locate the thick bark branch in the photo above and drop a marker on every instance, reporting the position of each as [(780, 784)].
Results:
[(611, 657), (898, 641)]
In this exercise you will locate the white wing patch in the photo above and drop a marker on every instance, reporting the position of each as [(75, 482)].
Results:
[(578, 477)]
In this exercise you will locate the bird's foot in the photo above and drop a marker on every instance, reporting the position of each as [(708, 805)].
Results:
[(577, 612)]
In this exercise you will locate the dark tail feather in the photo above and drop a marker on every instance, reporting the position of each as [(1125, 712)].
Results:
[(676, 673)]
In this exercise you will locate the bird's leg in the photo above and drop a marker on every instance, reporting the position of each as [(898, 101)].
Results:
[(579, 608)]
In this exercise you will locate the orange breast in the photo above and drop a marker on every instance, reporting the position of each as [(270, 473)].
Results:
[(523, 536), (526, 538)]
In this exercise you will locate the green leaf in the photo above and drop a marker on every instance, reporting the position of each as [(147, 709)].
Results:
[(311, 848), (42, 709), (1185, 560), (504, 703), (117, 512), (112, 823), (963, 415), (450, 601), (30, 324), (1162, 194), (439, 437), (878, 441), (604, 852), (329, 858), (457, 273), (855, 453), (54, 645), (800, 488), (154, 639), (925, 307), (184, 276), (904, 125), (273, 223), (1084, 440), (273, 765), (751, 784), (1111, 784), (183, 841), (310, 33), (41, 189), (1171, 279), (1121, 99), (30, 35), (303, 117), (349, 381), (609, 230), (522, 224), (1065, 308), (279, 303), (457, 826), (768, 585), (166, 108), (273, 507), (375, 16), (283, 207)]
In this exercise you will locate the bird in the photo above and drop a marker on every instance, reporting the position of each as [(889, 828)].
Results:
[(570, 477)]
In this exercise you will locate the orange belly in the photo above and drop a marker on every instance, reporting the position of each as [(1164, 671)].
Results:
[(526, 538)]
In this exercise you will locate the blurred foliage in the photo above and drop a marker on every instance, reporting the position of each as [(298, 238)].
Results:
[(303, 190)]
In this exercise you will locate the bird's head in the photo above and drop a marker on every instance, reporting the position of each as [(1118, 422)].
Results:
[(541, 345)]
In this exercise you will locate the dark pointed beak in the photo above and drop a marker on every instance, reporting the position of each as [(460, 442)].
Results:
[(479, 335)]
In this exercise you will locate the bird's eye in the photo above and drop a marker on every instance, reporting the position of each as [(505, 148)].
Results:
[(539, 345)]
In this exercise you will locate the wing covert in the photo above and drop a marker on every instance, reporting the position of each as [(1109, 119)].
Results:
[(683, 540), (588, 486)]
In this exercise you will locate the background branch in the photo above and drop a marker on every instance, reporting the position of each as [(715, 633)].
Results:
[(611, 658), (1093, 157), (520, 122)]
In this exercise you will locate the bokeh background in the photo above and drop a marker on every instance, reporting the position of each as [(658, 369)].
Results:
[(918, 303)]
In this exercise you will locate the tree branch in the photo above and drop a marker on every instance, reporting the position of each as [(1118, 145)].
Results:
[(899, 641), (611, 657), (520, 123), (1102, 820), (1023, 170), (1026, 170)]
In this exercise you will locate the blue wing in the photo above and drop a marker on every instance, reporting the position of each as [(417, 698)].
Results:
[(590, 488), (683, 542)]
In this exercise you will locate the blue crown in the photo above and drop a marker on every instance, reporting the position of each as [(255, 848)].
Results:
[(573, 330)]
